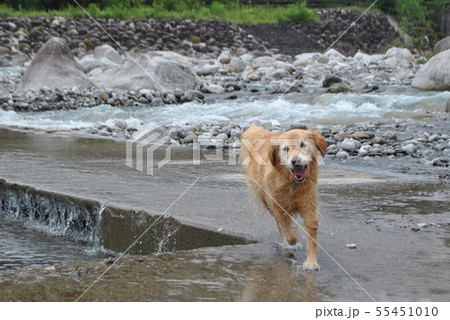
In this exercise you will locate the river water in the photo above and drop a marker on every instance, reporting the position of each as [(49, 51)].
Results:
[(397, 104)]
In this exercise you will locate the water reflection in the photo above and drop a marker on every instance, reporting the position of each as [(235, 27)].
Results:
[(281, 281)]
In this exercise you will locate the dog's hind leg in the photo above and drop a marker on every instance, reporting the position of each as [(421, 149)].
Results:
[(284, 223)]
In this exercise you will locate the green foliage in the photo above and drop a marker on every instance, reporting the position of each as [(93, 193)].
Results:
[(217, 9), (413, 17), (168, 5), (388, 6), (297, 13)]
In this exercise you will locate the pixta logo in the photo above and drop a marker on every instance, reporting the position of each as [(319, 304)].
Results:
[(141, 150)]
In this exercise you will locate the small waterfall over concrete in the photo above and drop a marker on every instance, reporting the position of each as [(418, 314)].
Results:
[(100, 225), (67, 216)]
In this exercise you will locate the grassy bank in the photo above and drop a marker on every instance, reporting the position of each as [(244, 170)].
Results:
[(180, 10)]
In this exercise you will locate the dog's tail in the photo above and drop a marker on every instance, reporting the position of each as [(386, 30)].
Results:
[(251, 138)]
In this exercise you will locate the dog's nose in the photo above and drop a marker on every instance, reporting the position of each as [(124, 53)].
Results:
[(294, 161)]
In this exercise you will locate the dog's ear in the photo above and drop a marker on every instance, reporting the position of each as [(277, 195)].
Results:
[(274, 155), (320, 142)]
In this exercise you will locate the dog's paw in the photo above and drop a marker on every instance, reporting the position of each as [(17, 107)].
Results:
[(286, 246), (310, 265)]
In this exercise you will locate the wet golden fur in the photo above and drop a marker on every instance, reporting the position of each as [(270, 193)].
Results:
[(269, 162)]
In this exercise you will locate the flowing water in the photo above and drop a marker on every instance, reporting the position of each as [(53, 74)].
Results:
[(318, 109), (29, 247)]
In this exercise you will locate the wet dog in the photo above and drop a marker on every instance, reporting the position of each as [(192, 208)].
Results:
[(282, 171)]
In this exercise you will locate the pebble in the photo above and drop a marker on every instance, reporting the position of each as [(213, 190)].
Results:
[(410, 148), (341, 155), (350, 246), (350, 145)]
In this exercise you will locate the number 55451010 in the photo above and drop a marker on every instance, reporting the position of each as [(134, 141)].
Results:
[(407, 311)]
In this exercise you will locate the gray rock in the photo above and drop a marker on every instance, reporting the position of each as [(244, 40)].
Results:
[(122, 125), (306, 59), (379, 140), (55, 67), (434, 137), (160, 71), (440, 162), (263, 62), (207, 69), (236, 133), (389, 135), (297, 126), (375, 150), (350, 145), (157, 102), (4, 51), (213, 88), (338, 88), (435, 74), (89, 63), (364, 151), (222, 137), (192, 95), (333, 149), (108, 52), (247, 59), (57, 22), (237, 65), (402, 56), (95, 72), (341, 155), (189, 138), (149, 97), (206, 139), (277, 74), (410, 148), (225, 57), (323, 59), (442, 45)]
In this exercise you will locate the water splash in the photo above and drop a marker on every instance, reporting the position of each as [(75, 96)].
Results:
[(292, 108)]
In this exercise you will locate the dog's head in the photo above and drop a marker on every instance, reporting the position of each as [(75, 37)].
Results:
[(296, 149)]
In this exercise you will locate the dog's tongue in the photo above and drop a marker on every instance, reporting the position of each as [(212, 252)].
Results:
[(299, 172)]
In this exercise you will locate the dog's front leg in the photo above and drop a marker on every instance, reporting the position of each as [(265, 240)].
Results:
[(311, 247)]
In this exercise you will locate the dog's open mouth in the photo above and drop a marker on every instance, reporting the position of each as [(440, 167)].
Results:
[(299, 173)]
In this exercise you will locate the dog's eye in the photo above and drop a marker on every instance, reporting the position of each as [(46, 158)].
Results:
[(286, 148), (302, 144)]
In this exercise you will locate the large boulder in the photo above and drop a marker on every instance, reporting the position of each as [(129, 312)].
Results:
[(158, 70), (55, 67), (435, 74), (398, 56), (442, 45), (108, 52)]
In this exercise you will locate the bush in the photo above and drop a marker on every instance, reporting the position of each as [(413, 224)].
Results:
[(388, 6), (168, 5), (297, 13), (217, 9)]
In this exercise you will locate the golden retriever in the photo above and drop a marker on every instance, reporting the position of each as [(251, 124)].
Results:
[(282, 172)]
